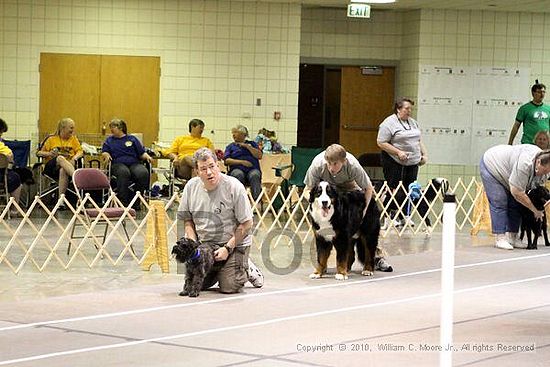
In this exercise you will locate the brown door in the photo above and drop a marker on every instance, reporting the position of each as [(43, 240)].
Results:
[(69, 87), (366, 101), (92, 89), (129, 90)]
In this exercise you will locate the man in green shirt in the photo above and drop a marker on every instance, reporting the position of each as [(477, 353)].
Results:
[(535, 116)]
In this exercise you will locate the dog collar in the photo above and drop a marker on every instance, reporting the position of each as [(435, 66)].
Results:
[(196, 255)]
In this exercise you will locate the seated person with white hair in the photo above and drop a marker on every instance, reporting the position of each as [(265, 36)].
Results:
[(242, 156), (61, 151)]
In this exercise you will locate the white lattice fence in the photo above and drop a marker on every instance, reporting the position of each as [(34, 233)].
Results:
[(41, 237), (467, 191), (291, 216), (284, 219)]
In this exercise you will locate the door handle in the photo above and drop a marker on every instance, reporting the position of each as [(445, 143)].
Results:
[(104, 128)]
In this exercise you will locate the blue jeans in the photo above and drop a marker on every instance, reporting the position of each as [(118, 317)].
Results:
[(252, 178), (504, 209)]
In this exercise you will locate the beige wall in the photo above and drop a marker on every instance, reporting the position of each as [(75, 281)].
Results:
[(487, 38), (328, 33), (484, 38), (432, 37), (217, 57), (427, 37)]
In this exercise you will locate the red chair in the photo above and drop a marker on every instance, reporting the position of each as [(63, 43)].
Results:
[(94, 180)]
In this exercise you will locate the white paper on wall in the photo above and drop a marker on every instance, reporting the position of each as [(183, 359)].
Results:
[(465, 110)]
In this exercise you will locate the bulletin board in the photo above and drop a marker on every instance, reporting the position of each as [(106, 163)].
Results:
[(465, 110)]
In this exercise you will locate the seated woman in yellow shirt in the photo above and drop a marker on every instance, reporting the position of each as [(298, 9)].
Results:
[(182, 149), (61, 151)]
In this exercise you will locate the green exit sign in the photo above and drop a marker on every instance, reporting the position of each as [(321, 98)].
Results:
[(359, 11)]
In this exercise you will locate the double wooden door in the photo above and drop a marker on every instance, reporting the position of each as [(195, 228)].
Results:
[(93, 89), (365, 101)]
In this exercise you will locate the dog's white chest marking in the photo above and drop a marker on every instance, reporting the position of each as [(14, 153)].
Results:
[(325, 229), (322, 211)]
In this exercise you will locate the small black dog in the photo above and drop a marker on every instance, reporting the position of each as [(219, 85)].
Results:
[(198, 259), (429, 194), (539, 196)]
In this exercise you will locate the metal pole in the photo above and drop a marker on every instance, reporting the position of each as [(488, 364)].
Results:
[(447, 280)]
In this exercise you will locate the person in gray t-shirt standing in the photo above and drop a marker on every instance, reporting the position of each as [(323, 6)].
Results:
[(402, 150), (507, 172), (215, 209)]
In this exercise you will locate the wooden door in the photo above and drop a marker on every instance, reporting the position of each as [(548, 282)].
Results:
[(366, 101), (130, 90), (93, 89), (69, 87)]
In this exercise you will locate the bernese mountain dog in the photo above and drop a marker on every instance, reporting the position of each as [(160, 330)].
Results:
[(338, 222)]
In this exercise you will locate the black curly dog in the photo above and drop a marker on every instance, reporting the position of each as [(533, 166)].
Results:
[(198, 259), (539, 196)]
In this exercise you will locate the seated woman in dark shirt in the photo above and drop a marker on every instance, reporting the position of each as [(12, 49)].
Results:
[(242, 156), (125, 152)]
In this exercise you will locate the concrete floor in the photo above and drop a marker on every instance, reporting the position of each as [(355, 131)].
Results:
[(122, 316)]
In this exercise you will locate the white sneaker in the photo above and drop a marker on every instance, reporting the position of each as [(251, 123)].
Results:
[(255, 276), (382, 265), (407, 221), (515, 241), (503, 244)]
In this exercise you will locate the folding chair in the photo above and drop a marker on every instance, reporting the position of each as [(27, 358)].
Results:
[(175, 180), (94, 180), (4, 194), (300, 159), (21, 150), (51, 186)]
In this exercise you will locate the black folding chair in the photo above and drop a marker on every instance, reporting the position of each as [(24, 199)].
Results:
[(21, 150)]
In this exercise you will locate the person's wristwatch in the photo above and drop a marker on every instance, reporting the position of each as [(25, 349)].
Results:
[(228, 248)]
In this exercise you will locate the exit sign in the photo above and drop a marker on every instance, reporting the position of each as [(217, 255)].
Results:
[(359, 10)]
